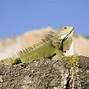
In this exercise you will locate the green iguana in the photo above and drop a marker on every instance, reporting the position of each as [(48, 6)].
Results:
[(56, 43)]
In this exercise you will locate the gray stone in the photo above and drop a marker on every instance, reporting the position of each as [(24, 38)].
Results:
[(45, 73)]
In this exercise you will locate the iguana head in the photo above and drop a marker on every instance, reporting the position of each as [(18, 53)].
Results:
[(65, 32), (63, 38), (66, 35)]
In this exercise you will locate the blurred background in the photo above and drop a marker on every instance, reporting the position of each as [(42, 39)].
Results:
[(19, 16)]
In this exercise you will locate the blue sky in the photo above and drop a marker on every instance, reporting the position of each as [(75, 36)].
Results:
[(19, 16)]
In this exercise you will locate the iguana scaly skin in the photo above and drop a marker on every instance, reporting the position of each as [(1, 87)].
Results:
[(56, 43)]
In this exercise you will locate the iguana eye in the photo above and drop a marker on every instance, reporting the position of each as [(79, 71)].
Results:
[(65, 27)]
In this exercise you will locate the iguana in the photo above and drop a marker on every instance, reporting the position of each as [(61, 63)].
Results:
[(55, 43)]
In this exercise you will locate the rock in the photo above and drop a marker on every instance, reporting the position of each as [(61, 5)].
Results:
[(45, 73)]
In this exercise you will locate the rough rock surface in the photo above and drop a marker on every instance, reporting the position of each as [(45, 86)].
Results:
[(43, 73)]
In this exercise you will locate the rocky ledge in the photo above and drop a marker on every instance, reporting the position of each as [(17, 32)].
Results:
[(42, 73)]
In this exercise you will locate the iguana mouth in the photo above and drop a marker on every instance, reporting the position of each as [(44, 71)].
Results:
[(62, 46)]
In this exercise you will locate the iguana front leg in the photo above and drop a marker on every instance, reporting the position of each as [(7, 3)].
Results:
[(58, 52)]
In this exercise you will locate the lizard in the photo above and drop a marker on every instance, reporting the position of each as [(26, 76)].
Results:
[(56, 42)]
